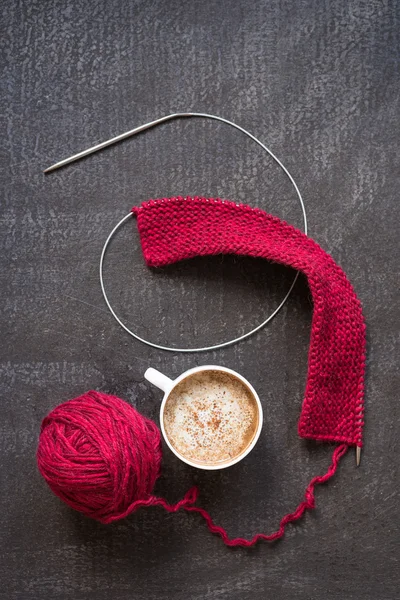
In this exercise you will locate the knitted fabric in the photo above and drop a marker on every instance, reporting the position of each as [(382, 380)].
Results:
[(173, 229)]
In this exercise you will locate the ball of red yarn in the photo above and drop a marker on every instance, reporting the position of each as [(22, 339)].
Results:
[(102, 457), (99, 455)]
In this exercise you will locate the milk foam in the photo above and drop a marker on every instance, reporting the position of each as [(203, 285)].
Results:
[(210, 417)]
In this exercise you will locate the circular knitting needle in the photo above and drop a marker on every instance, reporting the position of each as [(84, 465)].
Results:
[(139, 129), (136, 130)]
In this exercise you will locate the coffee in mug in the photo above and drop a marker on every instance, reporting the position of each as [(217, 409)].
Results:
[(211, 417)]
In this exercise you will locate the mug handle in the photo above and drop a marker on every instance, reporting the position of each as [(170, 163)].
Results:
[(158, 379)]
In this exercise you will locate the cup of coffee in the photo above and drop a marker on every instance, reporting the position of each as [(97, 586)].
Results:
[(210, 416)]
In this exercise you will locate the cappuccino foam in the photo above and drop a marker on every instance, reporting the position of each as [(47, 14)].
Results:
[(211, 417)]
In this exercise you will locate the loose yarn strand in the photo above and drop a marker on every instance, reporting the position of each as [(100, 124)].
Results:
[(191, 497), (307, 503), (102, 457)]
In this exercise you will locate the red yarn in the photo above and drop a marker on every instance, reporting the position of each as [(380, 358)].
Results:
[(102, 457), (178, 228), (308, 503)]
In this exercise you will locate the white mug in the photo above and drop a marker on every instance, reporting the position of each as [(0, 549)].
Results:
[(167, 385)]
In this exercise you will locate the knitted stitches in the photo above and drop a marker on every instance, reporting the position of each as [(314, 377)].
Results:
[(179, 228)]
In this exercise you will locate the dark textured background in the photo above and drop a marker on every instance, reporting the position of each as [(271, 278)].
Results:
[(319, 82)]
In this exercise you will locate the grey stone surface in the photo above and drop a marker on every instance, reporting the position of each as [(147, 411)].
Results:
[(319, 83)]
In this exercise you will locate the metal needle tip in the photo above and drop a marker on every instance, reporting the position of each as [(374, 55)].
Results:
[(125, 135), (358, 455)]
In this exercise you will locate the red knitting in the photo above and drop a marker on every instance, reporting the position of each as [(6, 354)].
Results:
[(177, 228), (102, 457)]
